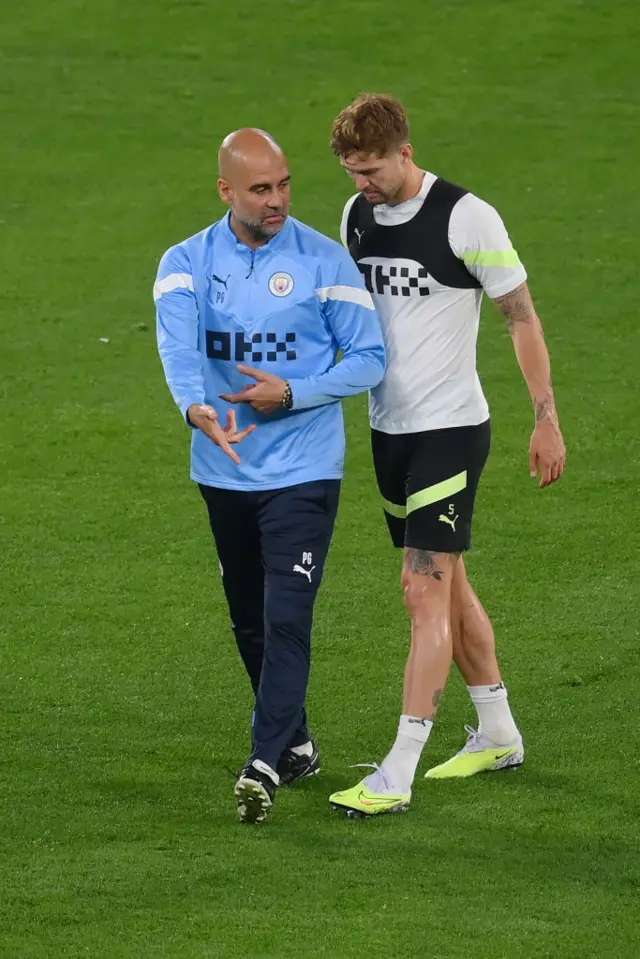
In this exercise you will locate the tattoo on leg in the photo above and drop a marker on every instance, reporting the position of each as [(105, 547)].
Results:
[(421, 561), (437, 696)]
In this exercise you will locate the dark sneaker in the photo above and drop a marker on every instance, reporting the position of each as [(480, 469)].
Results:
[(255, 791), (292, 767)]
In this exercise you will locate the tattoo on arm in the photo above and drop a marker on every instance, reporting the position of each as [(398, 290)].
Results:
[(545, 406), (421, 561), (517, 307)]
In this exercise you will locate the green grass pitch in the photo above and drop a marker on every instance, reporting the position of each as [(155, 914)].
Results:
[(122, 698)]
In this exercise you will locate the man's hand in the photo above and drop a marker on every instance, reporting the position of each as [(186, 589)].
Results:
[(547, 453), (205, 418), (265, 395)]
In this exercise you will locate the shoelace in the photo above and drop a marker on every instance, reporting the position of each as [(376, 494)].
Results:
[(380, 772), (472, 734)]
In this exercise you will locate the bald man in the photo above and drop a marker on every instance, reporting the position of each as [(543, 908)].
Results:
[(251, 314)]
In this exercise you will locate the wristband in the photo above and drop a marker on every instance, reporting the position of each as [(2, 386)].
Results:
[(287, 399)]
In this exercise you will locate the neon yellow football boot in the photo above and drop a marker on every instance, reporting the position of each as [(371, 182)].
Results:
[(362, 800), (479, 756)]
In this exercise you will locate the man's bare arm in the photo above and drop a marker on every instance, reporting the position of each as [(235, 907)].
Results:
[(531, 349), (547, 446)]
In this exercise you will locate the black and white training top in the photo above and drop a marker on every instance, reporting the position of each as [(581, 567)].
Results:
[(426, 263)]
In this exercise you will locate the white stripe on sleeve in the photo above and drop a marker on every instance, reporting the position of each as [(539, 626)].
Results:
[(348, 294), (345, 219), (175, 281)]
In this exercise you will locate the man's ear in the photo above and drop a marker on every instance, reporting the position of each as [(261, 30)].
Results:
[(226, 194), (406, 152)]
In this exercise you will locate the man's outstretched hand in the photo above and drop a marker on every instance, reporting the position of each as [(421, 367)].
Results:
[(205, 418)]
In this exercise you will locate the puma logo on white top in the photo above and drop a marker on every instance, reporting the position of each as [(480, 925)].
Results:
[(305, 572)]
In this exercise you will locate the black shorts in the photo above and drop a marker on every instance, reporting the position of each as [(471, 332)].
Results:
[(428, 482)]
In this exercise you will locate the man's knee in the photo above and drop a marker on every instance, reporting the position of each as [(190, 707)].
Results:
[(288, 615), (463, 597), (426, 582), (459, 585), (249, 635)]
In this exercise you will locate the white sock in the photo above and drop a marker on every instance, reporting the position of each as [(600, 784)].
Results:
[(495, 721), (399, 766), (305, 750)]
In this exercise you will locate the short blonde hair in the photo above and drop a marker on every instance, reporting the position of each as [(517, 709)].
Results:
[(374, 123)]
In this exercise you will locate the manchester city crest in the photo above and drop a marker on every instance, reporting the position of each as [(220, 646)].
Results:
[(281, 284)]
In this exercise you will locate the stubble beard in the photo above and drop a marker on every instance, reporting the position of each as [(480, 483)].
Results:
[(260, 231)]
